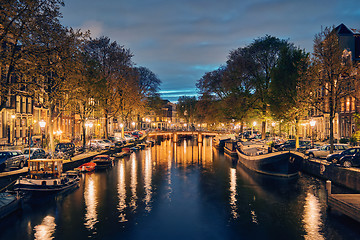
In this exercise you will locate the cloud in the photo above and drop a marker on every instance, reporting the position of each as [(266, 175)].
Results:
[(181, 40)]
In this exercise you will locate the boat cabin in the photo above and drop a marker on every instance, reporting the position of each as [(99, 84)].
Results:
[(45, 168)]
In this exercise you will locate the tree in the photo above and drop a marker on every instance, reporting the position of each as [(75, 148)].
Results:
[(113, 61), (333, 72), (290, 88), (186, 108), (149, 83), (18, 29), (264, 54)]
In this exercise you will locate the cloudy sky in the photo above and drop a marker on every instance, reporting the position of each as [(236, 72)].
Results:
[(180, 40)]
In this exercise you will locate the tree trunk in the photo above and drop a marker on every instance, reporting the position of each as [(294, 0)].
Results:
[(297, 140), (83, 134), (106, 132), (263, 129)]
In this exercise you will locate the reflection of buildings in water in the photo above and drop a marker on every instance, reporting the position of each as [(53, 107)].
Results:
[(190, 152), (122, 191), (147, 180), (133, 182), (46, 229), (90, 202), (233, 193), (312, 217)]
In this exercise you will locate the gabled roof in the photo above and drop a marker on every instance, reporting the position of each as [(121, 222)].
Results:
[(343, 30)]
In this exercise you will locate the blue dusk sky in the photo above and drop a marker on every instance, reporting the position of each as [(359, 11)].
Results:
[(180, 40)]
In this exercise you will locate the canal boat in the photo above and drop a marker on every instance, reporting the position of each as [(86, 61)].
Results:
[(218, 142), (230, 148), (46, 176), (87, 167), (9, 203), (102, 162), (281, 164)]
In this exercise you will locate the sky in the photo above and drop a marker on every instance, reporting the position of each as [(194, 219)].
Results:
[(181, 40)]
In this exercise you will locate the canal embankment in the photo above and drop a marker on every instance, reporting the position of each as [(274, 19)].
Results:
[(338, 175), (8, 177)]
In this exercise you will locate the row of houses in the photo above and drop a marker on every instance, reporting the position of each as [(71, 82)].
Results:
[(345, 124), (23, 115)]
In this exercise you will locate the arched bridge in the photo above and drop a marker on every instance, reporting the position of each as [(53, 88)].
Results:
[(175, 135)]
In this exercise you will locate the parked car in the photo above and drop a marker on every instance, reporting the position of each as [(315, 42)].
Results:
[(35, 153), (136, 134), (119, 141), (11, 159), (323, 151), (350, 160), (98, 144), (335, 157), (112, 145), (129, 138), (64, 150)]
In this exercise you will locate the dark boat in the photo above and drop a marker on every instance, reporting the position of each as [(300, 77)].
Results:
[(230, 148), (281, 164), (9, 203), (45, 176), (219, 142), (102, 161)]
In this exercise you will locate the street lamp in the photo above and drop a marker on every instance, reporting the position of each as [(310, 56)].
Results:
[(42, 124), (312, 124), (273, 126), (122, 130), (133, 124)]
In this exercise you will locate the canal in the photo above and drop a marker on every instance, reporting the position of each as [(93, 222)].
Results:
[(182, 191)]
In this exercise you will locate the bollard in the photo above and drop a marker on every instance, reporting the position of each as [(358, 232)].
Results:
[(328, 187)]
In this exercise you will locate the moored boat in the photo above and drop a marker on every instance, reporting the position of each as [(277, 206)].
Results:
[(45, 176), (102, 161), (230, 148), (9, 203), (87, 167), (281, 164)]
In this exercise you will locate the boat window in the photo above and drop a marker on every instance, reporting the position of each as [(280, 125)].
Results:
[(43, 183)]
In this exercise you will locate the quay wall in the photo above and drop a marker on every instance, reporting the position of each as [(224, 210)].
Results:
[(346, 177)]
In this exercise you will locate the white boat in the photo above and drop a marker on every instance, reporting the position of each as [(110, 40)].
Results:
[(45, 176)]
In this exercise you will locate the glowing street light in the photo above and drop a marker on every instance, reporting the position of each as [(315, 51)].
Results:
[(42, 125), (122, 130)]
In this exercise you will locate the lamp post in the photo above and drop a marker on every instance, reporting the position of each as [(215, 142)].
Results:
[(42, 124), (312, 124), (273, 128), (133, 125), (122, 130)]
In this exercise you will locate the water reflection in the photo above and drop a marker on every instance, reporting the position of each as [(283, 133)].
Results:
[(233, 194), (133, 182), (147, 180), (121, 192), (90, 202), (182, 190), (46, 229), (312, 217)]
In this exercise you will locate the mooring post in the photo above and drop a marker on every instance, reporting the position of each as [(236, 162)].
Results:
[(328, 187), (200, 137)]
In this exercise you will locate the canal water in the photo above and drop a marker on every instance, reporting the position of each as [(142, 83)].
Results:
[(182, 191)]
